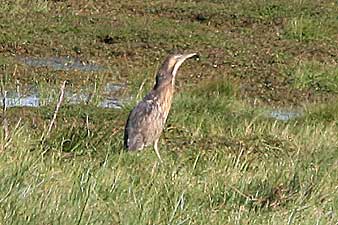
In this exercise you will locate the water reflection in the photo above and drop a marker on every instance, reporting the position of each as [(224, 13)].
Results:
[(31, 97), (15, 99), (284, 115)]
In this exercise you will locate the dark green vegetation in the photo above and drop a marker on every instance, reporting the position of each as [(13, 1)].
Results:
[(225, 161)]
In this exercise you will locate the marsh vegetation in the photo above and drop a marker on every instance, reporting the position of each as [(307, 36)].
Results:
[(251, 138)]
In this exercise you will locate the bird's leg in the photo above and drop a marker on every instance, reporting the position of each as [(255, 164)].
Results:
[(156, 150)]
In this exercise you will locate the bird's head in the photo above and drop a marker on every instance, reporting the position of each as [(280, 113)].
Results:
[(167, 73)]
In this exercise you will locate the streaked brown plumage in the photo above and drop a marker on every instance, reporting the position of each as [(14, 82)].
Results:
[(146, 121)]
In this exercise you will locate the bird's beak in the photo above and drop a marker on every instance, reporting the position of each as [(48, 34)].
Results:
[(179, 62), (186, 56)]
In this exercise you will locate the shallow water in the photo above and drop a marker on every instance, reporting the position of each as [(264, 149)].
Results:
[(284, 115), (32, 97), (14, 99), (61, 63)]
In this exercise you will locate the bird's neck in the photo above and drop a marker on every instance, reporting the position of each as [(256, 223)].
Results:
[(165, 93)]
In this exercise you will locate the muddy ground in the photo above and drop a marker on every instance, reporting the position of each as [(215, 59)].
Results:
[(263, 48)]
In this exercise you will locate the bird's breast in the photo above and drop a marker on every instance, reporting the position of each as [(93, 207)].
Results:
[(165, 100)]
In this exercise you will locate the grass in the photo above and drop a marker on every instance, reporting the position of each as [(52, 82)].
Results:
[(320, 76), (225, 160), (309, 28), (265, 172)]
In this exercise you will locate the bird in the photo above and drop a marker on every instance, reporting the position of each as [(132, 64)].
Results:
[(147, 119)]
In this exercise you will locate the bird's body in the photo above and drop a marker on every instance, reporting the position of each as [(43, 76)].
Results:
[(147, 120), (150, 115)]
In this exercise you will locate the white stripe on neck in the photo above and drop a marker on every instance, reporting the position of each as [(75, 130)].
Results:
[(176, 67)]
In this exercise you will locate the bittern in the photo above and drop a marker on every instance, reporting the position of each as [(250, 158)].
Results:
[(146, 121)]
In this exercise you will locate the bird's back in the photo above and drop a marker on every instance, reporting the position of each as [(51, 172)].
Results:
[(145, 123)]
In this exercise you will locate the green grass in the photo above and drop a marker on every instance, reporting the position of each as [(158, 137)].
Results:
[(225, 160), (223, 163), (316, 75), (305, 28), (255, 171)]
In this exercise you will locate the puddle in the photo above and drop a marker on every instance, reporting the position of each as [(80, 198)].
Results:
[(62, 63), (14, 99), (284, 115), (111, 103), (31, 97)]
